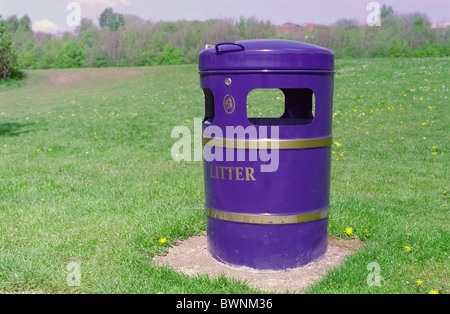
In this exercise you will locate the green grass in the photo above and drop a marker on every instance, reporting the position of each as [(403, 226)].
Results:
[(86, 176)]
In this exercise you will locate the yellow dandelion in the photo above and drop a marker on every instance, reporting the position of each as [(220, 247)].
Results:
[(337, 144), (409, 234), (50, 150), (43, 199), (424, 124), (434, 292), (407, 248), (419, 283), (162, 241), (434, 147), (348, 231), (434, 153), (38, 150)]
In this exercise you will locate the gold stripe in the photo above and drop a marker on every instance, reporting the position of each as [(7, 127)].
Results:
[(268, 219), (268, 143)]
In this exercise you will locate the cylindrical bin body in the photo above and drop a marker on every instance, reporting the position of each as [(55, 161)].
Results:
[(267, 180)]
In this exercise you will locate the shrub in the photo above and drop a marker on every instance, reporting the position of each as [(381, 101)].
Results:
[(9, 67)]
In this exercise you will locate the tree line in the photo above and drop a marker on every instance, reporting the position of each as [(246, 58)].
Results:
[(400, 35), (127, 40)]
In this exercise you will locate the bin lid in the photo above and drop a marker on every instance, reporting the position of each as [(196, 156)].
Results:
[(266, 55)]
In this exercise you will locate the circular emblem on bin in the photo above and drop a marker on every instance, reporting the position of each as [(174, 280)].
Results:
[(229, 104)]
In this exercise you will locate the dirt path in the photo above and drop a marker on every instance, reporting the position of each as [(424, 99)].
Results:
[(71, 77)]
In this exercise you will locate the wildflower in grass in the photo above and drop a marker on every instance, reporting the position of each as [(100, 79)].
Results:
[(409, 234), (157, 182), (337, 144), (424, 124), (162, 241), (419, 283), (391, 142), (38, 150), (348, 231), (444, 193), (407, 248), (434, 292), (366, 231), (434, 153), (50, 150), (43, 199)]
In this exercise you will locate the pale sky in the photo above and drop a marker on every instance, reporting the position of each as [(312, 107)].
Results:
[(51, 15)]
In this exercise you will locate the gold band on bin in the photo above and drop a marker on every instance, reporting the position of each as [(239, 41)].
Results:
[(268, 219), (269, 143)]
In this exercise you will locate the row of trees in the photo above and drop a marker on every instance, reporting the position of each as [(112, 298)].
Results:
[(131, 41), (400, 35), (127, 41)]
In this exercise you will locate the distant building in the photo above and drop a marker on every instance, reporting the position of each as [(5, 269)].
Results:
[(288, 28), (440, 26)]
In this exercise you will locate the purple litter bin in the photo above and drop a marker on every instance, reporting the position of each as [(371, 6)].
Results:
[(272, 218)]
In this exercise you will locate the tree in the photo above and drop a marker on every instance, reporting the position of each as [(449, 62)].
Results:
[(386, 12), (73, 55), (8, 59), (12, 24), (170, 56), (111, 20), (25, 23)]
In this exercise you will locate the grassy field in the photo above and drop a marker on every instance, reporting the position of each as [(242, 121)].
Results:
[(86, 177)]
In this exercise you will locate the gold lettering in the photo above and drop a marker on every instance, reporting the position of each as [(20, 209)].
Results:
[(234, 173), (249, 172), (212, 174), (230, 173), (240, 174)]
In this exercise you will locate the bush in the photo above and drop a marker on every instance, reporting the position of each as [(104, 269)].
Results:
[(9, 67), (436, 50), (170, 56), (399, 48)]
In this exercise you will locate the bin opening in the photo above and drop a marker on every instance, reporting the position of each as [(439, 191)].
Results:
[(209, 105), (291, 106)]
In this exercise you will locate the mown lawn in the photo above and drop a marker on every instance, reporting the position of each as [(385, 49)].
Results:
[(87, 177)]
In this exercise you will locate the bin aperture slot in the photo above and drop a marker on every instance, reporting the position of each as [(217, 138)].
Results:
[(291, 106), (209, 105)]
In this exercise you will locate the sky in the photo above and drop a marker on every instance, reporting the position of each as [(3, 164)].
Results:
[(51, 15)]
